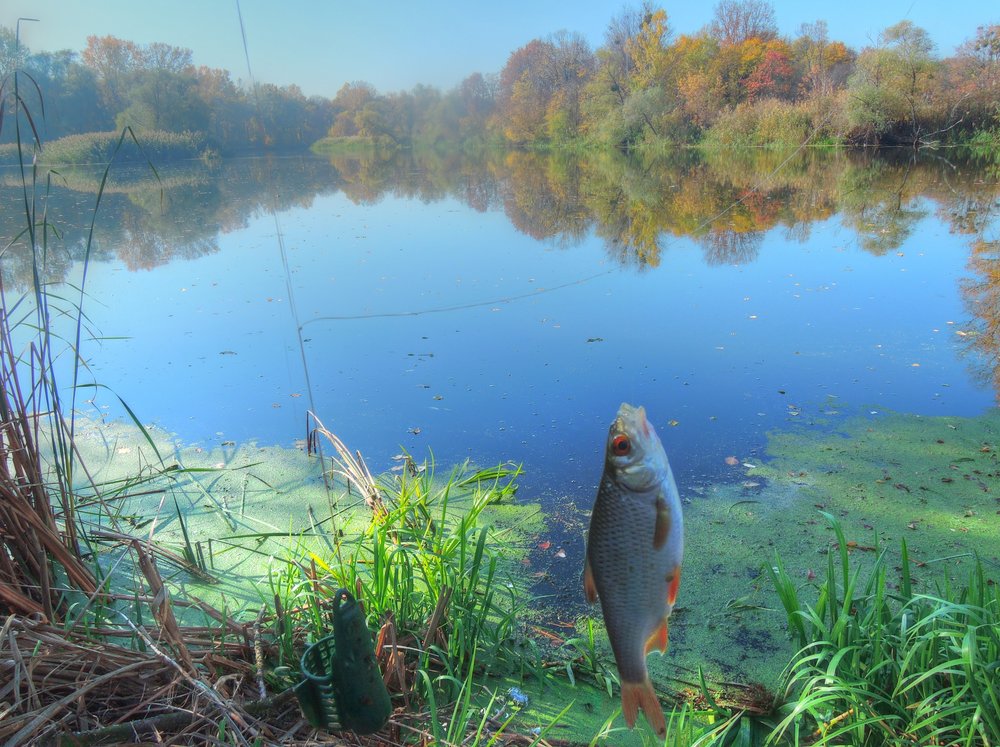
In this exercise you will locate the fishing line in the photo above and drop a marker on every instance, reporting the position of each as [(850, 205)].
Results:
[(458, 307), (289, 288)]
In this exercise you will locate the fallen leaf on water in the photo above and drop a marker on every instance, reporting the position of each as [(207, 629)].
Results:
[(545, 545), (415, 431), (673, 422), (560, 553), (732, 461), (295, 394)]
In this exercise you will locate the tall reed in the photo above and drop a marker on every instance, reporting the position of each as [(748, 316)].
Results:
[(430, 565), (880, 664)]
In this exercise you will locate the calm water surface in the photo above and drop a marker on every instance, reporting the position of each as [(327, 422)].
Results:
[(502, 310)]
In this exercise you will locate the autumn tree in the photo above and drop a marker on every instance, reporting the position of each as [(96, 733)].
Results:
[(973, 79), (113, 60), (823, 65), (698, 83), (893, 87), (476, 100), (540, 86), (771, 76), (634, 91), (736, 21)]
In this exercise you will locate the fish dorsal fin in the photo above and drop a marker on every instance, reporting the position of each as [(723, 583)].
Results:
[(662, 528)]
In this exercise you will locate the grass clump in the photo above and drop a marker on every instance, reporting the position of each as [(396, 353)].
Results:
[(102, 147), (352, 145), (880, 664), (431, 572)]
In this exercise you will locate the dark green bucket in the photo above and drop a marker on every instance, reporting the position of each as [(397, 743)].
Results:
[(343, 687)]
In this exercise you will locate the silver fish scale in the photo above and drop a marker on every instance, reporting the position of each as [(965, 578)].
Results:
[(630, 575)]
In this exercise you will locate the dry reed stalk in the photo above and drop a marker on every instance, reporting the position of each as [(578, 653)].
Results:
[(350, 466), (154, 549), (162, 609), (32, 534), (70, 688)]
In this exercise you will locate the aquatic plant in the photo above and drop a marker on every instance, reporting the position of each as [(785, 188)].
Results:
[(430, 569), (879, 664)]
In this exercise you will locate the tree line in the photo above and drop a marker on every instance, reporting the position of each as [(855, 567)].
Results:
[(736, 81)]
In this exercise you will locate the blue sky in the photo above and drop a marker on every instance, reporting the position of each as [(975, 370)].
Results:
[(395, 45)]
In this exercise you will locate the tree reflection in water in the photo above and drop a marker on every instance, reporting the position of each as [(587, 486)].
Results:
[(725, 202)]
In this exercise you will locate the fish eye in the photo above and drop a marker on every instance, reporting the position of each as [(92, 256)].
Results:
[(621, 445)]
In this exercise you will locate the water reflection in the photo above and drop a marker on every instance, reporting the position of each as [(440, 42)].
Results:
[(727, 202)]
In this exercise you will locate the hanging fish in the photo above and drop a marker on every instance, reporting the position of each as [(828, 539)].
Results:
[(633, 558)]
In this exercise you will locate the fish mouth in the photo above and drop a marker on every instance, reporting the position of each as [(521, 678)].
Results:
[(632, 418)]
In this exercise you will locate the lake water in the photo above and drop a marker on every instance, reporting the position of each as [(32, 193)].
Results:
[(502, 308)]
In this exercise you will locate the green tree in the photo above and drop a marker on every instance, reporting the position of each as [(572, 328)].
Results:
[(633, 90), (892, 91), (160, 99)]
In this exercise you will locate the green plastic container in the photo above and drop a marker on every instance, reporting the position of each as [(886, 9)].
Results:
[(342, 686)]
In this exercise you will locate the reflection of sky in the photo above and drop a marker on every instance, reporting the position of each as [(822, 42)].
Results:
[(728, 352)]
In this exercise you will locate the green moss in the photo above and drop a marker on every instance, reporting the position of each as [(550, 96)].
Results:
[(250, 509)]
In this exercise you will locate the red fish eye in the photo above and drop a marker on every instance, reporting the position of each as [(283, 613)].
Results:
[(620, 445)]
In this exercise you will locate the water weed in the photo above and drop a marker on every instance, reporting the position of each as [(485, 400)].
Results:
[(880, 664)]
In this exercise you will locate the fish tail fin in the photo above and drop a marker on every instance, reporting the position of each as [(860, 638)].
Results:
[(640, 695)]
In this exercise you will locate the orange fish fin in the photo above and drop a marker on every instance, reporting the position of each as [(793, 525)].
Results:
[(640, 695), (659, 638), (675, 584), (589, 587), (662, 528)]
